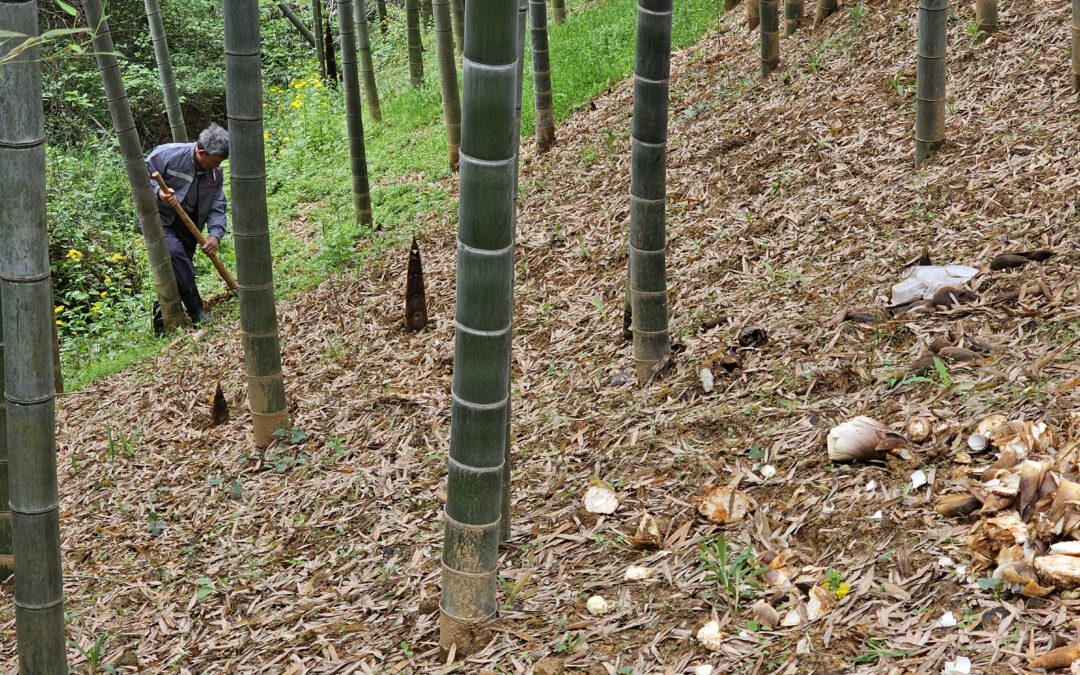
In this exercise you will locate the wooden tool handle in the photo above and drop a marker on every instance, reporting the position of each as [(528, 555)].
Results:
[(218, 265)]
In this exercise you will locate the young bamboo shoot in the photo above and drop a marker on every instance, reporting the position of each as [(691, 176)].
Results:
[(416, 317)]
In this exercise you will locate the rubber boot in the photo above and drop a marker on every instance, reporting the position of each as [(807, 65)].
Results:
[(189, 295), (158, 322)]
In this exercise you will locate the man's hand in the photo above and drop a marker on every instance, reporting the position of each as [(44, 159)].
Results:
[(168, 196), (211, 245)]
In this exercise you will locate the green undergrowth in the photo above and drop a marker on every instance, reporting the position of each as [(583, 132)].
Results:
[(314, 233)]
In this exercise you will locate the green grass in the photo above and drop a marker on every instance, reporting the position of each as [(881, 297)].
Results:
[(307, 157)]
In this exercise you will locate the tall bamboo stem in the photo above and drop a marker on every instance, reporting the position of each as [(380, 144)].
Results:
[(304, 31), (27, 317), (354, 120), (558, 11), (131, 149), (165, 72), (541, 68), (648, 159), (416, 48), (254, 264), (320, 42), (930, 79), (367, 68), (7, 564), (1076, 45), (459, 23), (823, 10), (483, 325), (444, 48), (384, 19), (793, 16), (427, 13), (986, 17), (770, 36), (753, 12)]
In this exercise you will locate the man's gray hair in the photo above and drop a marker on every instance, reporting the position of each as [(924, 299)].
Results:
[(214, 141)]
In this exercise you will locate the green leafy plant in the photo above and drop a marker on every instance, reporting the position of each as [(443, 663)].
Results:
[(94, 655), (874, 649), (569, 643), (734, 571)]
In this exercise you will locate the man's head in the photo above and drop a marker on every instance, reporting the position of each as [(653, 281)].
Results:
[(212, 148)]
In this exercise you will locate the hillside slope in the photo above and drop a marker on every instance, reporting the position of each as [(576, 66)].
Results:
[(791, 200)]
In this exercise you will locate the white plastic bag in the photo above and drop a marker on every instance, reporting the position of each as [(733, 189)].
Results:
[(923, 281)]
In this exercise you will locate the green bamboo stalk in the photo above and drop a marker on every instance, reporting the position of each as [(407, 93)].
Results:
[(930, 79), (558, 11), (823, 10), (165, 72), (367, 68), (354, 120), (482, 319), (459, 23), (416, 48), (793, 16), (541, 68), (444, 49), (519, 84), (254, 264), (131, 149), (7, 564), (304, 31), (648, 239), (1076, 45), (752, 14), (27, 317), (986, 17), (427, 13), (384, 19), (768, 11), (320, 45)]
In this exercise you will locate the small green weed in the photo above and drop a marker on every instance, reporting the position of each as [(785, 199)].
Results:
[(734, 571)]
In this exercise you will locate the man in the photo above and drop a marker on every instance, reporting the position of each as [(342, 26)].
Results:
[(195, 179)]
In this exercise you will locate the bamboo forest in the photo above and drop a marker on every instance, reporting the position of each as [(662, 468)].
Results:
[(598, 337)]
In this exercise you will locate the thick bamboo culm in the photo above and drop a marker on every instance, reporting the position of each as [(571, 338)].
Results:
[(27, 317), (793, 16), (165, 72), (320, 41), (1076, 45), (384, 19), (930, 79), (823, 10), (251, 231), (769, 18), (161, 269), (541, 68), (6, 561), (451, 101), (986, 17), (416, 48), (519, 84), (354, 119), (304, 31), (752, 14), (558, 11), (367, 67), (482, 326), (458, 7), (648, 173)]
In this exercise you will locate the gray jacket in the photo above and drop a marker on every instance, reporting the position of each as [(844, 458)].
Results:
[(176, 162)]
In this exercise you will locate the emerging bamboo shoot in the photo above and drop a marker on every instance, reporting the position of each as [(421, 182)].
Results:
[(416, 317)]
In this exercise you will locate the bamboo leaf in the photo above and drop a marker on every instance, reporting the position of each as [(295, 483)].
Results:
[(66, 7)]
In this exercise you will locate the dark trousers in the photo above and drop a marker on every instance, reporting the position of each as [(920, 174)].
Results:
[(181, 247)]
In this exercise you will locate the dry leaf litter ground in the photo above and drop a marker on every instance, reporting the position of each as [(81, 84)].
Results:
[(790, 201)]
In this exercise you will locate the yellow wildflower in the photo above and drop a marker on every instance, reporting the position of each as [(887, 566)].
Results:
[(116, 257), (108, 279), (318, 85), (74, 255), (58, 309), (842, 589), (266, 136), (297, 103)]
